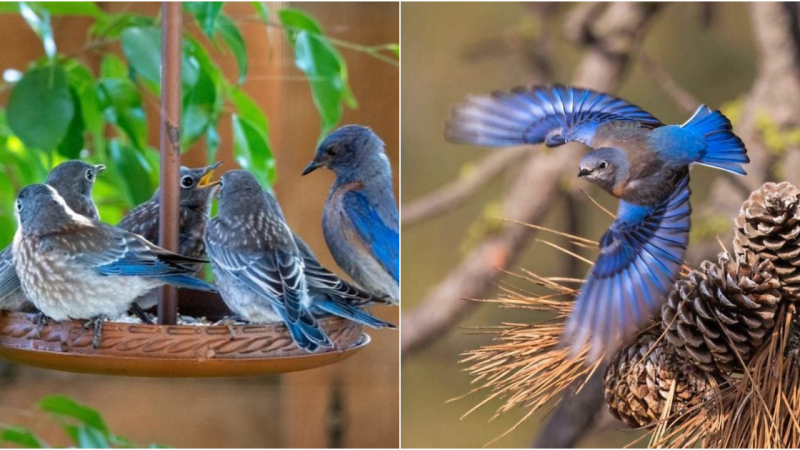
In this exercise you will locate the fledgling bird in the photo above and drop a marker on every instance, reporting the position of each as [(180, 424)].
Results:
[(73, 267), (635, 158), (74, 181), (332, 295), (197, 194), (360, 220), (256, 262)]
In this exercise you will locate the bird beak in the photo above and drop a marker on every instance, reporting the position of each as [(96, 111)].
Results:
[(99, 168), (206, 182), (584, 171), (312, 166)]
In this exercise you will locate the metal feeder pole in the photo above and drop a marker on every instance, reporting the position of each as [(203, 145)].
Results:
[(170, 148)]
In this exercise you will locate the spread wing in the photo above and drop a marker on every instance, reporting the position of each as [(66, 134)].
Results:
[(380, 236), (553, 115), (640, 258)]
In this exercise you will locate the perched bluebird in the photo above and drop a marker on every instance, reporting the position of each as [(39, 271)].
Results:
[(360, 220), (73, 267), (197, 194), (74, 181), (637, 159), (332, 295), (256, 263)]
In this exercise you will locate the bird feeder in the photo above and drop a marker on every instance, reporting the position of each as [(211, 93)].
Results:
[(169, 349)]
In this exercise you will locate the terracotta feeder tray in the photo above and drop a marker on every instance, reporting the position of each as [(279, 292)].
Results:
[(135, 349)]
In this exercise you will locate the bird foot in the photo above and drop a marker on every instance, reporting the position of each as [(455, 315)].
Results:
[(230, 322), (143, 315), (40, 319), (97, 324)]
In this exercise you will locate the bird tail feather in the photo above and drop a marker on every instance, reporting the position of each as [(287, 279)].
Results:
[(342, 309), (724, 150), (189, 282)]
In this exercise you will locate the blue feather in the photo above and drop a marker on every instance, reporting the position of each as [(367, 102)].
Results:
[(382, 239), (551, 115), (723, 149), (337, 307), (640, 257)]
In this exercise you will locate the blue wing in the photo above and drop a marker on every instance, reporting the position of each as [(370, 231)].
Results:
[(553, 115), (640, 258), (276, 276), (380, 237)]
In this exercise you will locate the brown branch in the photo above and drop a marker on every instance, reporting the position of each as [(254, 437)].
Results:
[(616, 34), (454, 194), (660, 75)]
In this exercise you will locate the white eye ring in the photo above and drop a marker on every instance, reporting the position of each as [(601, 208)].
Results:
[(187, 182), (89, 175), (602, 165)]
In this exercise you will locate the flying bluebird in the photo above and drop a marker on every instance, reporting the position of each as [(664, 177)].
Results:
[(74, 181), (73, 267), (197, 194), (332, 295), (256, 262), (360, 220), (635, 158)]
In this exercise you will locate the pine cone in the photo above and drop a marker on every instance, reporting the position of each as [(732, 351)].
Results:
[(769, 224), (637, 382), (721, 306)]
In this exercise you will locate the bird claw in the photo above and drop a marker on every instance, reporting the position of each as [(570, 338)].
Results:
[(143, 315), (40, 319), (97, 324), (230, 322)]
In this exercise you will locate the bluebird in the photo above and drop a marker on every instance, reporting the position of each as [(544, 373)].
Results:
[(195, 207), (332, 295), (635, 158), (74, 181), (360, 220), (74, 267), (256, 262)]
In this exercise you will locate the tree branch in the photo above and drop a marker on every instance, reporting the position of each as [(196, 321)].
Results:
[(454, 194), (660, 75)]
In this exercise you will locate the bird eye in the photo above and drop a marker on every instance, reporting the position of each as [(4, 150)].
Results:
[(89, 175), (602, 165), (187, 181), (330, 151), (19, 205)]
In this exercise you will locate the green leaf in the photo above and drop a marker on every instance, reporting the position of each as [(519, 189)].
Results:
[(89, 9), (39, 20), (142, 48), (247, 108), (323, 66), (22, 437), (394, 48), (112, 66), (122, 106), (80, 80), (295, 21), (261, 10), (235, 42), (40, 108), (205, 13), (73, 143), (251, 150), (212, 142), (90, 437), (110, 26), (199, 110), (134, 170), (64, 406)]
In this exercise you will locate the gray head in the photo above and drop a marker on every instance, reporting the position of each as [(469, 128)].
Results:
[(604, 167), (240, 193), (349, 149), (197, 189), (40, 210), (74, 181)]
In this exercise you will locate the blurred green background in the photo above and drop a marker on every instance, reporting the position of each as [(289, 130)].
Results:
[(455, 49)]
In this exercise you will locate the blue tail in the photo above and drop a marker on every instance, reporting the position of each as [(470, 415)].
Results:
[(307, 333), (189, 282), (339, 308), (724, 150)]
